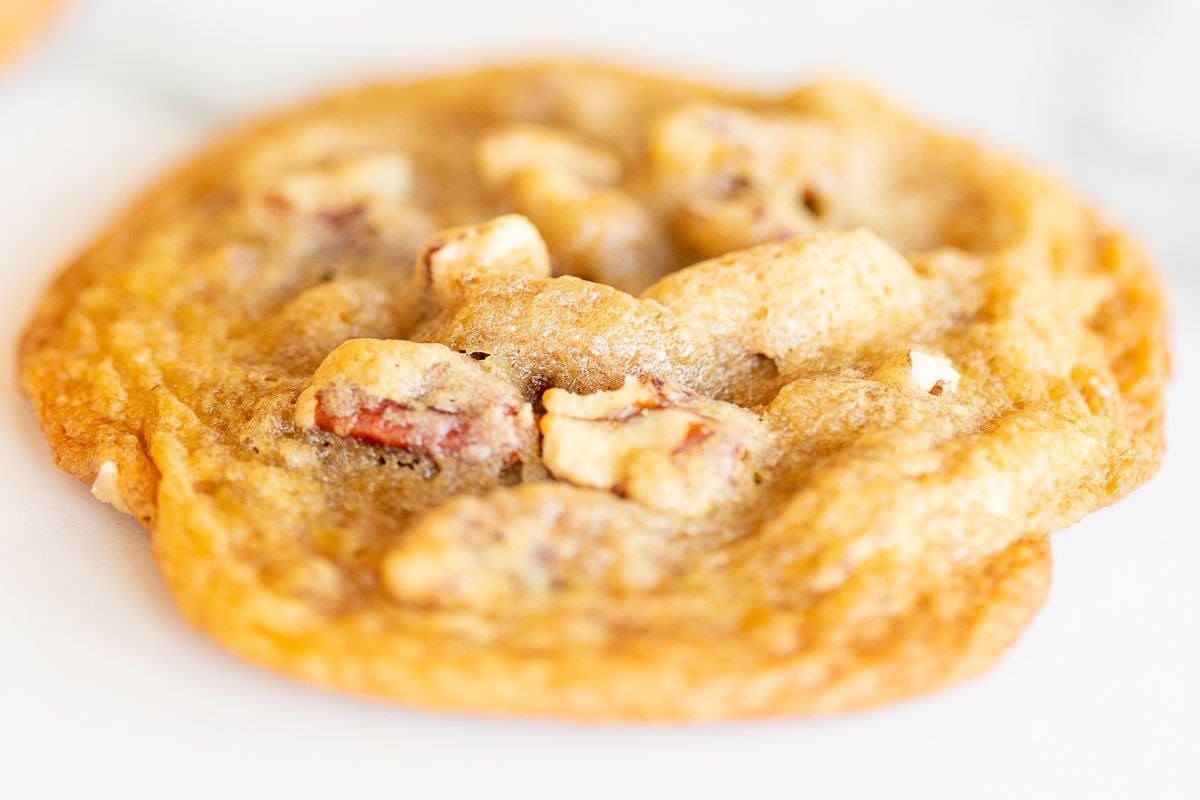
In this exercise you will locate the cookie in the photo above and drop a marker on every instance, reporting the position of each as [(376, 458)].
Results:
[(20, 20), (562, 390)]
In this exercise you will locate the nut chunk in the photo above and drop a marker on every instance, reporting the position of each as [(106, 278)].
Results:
[(332, 177), (656, 443), (738, 178), (370, 180), (528, 545), (508, 151), (422, 398), (506, 244), (567, 186), (925, 371)]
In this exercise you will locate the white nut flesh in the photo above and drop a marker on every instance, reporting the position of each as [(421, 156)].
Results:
[(922, 371), (600, 233), (740, 178), (507, 244), (106, 488), (566, 186), (527, 544), (506, 152), (367, 181), (933, 372), (657, 444)]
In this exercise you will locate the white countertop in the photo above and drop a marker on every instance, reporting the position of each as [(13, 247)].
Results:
[(103, 688)]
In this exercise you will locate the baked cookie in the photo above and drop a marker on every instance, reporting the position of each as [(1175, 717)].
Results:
[(562, 390), (19, 21)]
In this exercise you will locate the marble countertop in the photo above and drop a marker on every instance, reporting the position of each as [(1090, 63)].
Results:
[(102, 686)]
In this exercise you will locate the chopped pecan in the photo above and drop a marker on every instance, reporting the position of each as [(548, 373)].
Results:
[(421, 398), (507, 151), (351, 182), (525, 545), (923, 370), (933, 372), (107, 487), (566, 186), (428, 431), (506, 244), (738, 178), (600, 233), (327, 180), (653, 442)]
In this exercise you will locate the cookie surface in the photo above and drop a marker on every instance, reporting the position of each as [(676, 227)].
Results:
[(562, 390)]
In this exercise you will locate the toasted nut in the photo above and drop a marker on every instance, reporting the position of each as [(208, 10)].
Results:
[(598, 233), (656, 443), (739, 178), (365, 180), (506, 244), (106, 488), (564, 185), (327, 179), (921, 370), (933, 372), (504, 153), (526, 544), (421, 398)]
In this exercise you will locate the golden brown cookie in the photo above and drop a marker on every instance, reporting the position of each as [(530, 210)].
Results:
[(563, 390), (20, 20)]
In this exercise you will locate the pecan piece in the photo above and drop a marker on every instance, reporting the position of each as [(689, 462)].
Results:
[(527, 545), (347, 186), (653, 442), (329, 182), (567, 186), (739, 178), (506, 244), (507, 151), (926, 371), (422, 398)]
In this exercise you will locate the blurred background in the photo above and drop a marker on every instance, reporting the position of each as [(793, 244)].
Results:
[(100, 685)]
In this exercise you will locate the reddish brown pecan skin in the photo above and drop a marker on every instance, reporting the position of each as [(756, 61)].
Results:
[(697, 433), (427, 431)]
